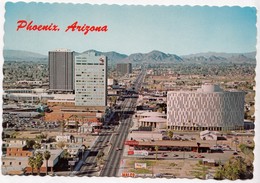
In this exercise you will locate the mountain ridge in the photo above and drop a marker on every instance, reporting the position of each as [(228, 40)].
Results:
[(155, 56)]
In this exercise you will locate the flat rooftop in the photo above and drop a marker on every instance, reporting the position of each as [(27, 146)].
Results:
[(172, 143)]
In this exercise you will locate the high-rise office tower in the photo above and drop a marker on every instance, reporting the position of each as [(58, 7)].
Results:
[(61, 70), (90, 80), (124, 68)]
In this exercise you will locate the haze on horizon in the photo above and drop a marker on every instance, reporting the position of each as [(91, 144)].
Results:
[(179, 30)]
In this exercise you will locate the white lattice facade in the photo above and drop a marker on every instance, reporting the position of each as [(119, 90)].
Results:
[(209, 108)]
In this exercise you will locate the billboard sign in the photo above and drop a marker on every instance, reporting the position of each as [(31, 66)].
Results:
[(140, 165)]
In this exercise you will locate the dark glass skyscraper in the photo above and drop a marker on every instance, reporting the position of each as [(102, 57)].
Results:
[(124, 68), (61, 71)]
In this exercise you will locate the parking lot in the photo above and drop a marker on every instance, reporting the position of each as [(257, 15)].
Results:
[(14, 122)]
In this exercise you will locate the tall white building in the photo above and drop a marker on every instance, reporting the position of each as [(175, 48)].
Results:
[(208, 108), (90, 80)]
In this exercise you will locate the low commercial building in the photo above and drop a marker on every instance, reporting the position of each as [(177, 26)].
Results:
[(166, 145), (14, 165)]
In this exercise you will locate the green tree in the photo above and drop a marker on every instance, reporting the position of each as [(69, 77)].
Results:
[(37, 146), (235, 168), (31, 162), (246, 149), (30, 143), (38, 161), (40, 137), (220, 173), (170, 133), (66, 154), (47, 156)]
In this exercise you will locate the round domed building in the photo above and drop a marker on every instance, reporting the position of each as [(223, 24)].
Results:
[(208, 108)]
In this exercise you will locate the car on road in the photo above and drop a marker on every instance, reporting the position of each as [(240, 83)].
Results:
[(199, 156), (235, 153), (87, 163), (164, 155), (118, 148), (175, 155)]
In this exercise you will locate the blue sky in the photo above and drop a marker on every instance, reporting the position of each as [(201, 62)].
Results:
[(132, 29)]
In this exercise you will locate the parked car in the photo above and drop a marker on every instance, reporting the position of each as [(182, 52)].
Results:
[(164, 155)]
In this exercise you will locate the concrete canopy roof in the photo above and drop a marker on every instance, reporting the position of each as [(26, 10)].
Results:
[(153, 119), (152, 114)]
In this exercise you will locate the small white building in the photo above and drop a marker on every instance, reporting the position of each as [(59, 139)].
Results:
[(155, 122), (144, 135), (63, 138), (209, 135)]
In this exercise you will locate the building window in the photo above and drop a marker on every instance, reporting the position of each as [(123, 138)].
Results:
[(3, 163), (11, 163), (20, 163)]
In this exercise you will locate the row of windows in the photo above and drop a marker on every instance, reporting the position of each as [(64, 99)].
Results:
[(78, 63), (17, 154), (89, 69), (91, 94), (13, 149), (92, 98), (10, 163), (90, 90)]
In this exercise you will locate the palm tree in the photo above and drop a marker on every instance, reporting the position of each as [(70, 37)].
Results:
[(62, 126), (156, 150), (66, 156), (37, 146), (38, 161), (76, 125), (198, 144), (47, 156), (31, 163)]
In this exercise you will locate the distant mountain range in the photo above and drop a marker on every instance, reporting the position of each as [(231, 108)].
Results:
[(112, 56), (151, 57), (211, 57), (18, 55)]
